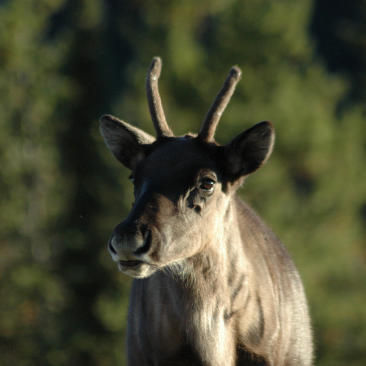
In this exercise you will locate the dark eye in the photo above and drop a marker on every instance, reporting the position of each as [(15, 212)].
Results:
[(207, 185), (131, 178)]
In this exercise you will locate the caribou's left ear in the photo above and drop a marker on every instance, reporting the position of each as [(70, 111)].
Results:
[(124, 141), (250, 150)]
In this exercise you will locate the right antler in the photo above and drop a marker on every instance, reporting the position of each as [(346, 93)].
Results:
[(213, 116), (154, 101)]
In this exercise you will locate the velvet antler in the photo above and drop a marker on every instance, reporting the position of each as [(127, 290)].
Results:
[(154, 101), (213, 116)]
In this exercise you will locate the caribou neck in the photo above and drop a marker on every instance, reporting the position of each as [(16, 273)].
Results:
[(212, 271)]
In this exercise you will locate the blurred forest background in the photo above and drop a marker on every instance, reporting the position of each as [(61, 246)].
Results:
[(64, 63)]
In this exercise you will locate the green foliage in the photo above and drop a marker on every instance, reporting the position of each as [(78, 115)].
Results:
[(64, 63)]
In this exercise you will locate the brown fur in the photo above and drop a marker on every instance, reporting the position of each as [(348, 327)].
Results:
[(213, 285)]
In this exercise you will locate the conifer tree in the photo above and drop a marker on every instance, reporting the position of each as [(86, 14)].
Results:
[(55, 290), (31, 294)]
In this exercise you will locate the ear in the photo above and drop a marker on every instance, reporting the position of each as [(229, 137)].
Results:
[(124, 141), (250, 150)]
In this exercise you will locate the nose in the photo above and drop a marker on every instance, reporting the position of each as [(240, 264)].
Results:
[(129, 242)]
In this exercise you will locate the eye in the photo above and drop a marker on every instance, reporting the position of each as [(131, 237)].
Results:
[(131, 178), (207, 185)]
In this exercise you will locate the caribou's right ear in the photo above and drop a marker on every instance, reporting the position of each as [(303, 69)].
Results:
[(124, 141)]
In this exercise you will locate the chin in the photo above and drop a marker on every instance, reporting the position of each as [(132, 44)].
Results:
[(141, 270)]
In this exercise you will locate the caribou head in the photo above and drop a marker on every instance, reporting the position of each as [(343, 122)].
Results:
[(182, 185)]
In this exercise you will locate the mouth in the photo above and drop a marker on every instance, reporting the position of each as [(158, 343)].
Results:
[(128, 264), (135, 268)]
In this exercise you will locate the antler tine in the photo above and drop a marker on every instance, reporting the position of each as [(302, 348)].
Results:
[(213, 116), (154, 101)]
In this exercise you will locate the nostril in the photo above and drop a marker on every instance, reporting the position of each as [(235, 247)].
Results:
[(146, 246), (110, 247)]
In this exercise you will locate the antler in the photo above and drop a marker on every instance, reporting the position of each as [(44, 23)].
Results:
[(213, 116), (154, 101)]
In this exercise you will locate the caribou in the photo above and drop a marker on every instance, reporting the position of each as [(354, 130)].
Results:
[(212, 283)]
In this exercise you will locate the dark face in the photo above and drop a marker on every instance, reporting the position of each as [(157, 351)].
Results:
[(179, 203), (182, 184), (183, 187)]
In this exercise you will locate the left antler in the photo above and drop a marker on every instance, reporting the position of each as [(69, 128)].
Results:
[(213, 116)]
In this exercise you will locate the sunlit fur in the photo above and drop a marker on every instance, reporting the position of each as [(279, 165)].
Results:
[(213, 285)]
